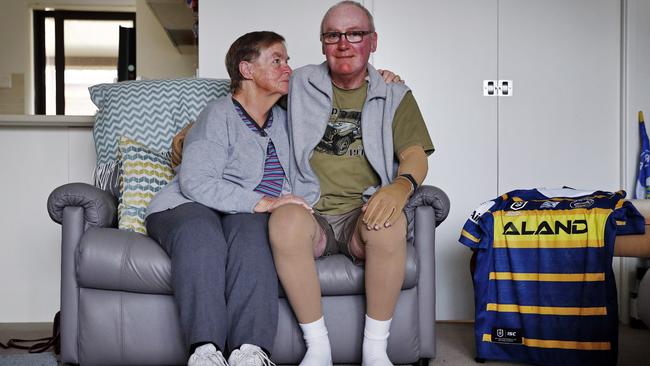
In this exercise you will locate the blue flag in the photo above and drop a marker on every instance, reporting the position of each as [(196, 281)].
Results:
[(642, 181)]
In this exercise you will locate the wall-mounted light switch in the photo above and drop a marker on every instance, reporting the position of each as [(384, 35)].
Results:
[(489, 88), (5, 81), (502, 88), (505, 88)]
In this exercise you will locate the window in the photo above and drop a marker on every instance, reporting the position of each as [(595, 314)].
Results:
[(74, 50)]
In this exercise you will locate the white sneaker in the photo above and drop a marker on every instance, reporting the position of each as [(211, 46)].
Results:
[(207, 355), (249, 355)]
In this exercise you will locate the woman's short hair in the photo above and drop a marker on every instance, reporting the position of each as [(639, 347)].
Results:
[(247, 48)]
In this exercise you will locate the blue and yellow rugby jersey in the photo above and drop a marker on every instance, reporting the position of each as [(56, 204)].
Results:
[(544, 287)]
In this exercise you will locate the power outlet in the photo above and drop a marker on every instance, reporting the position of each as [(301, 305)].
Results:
[(5, 81)]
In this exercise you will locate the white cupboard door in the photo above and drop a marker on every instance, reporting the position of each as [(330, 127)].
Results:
[(444, 49), (561, 126)]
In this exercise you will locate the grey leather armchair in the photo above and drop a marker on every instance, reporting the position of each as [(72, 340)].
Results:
[(117, 306)]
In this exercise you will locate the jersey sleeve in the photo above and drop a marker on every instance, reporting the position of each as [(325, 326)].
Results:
[(628, 219), (409, 128), (475, 233)]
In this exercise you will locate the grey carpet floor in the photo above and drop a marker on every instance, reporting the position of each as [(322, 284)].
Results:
[(21, 359), (455, 346)]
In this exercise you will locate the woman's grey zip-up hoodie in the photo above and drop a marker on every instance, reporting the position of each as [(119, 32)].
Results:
[(223, 161)]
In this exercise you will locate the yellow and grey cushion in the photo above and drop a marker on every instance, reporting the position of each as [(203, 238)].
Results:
[(143, 172)]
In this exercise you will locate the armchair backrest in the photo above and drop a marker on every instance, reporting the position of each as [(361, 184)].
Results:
[(148, 111)]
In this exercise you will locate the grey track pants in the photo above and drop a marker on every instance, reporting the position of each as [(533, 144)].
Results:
[(224, 279)]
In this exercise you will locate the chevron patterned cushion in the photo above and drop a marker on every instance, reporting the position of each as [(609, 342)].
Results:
[(149, 111), (143, 172)]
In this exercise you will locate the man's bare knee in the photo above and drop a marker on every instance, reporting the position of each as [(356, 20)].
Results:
[(290, 221)]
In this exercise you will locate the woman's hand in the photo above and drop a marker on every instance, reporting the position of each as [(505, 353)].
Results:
[(268, 204), (390, 77), (290, 199), (264, 204)]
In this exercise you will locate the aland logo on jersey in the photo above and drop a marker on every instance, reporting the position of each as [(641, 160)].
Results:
[(576, 228), (547, 228)]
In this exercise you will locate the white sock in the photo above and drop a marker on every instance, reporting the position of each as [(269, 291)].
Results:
[(375, 341), (319, 352)]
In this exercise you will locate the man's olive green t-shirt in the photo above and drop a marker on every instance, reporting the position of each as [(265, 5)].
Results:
[(339, 160)]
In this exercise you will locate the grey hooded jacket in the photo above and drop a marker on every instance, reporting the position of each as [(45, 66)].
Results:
[(310, 106)]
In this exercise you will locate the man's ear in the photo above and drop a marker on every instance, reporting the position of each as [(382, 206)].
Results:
[(373, 42), (246, 70)]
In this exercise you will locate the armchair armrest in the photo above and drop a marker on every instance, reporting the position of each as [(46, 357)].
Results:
[(99, 207), (76, 206), (429, 196), (425, 195), (424, 243)]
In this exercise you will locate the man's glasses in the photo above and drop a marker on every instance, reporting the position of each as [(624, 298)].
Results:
[(351, 36)]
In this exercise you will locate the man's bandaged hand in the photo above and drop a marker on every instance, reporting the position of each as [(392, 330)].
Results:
[(385, 206)]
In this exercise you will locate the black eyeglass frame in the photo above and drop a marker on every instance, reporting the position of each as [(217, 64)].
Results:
[(345, 34)]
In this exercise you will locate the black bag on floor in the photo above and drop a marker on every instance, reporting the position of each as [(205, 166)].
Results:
[(40, 344)]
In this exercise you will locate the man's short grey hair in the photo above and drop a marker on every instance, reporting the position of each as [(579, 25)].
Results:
[(371, 20)]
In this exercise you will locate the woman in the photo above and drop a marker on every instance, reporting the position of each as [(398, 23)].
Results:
[(212, 218)]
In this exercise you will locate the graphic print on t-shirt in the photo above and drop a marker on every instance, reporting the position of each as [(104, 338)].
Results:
[(342, 133)]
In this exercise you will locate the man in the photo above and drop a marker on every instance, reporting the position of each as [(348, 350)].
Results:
[(350, 133)]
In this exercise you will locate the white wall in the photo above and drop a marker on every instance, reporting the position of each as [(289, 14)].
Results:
[(156, 56), (34, 162), (221, 22), (14, 38), (637, 86), (636, 91)]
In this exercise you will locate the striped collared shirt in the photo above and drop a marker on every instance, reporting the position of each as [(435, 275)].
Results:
[(273, 177)]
